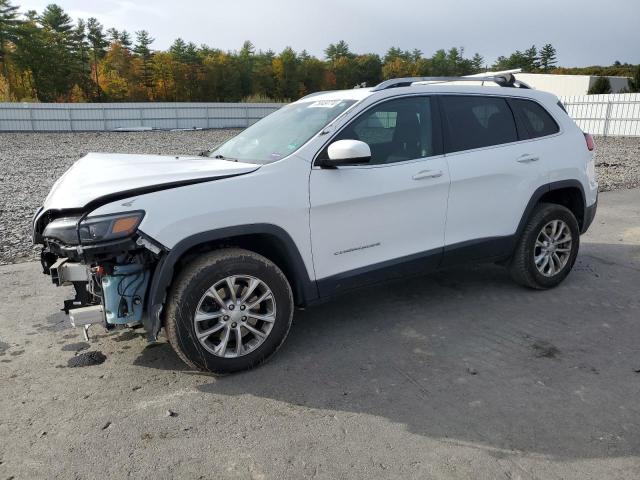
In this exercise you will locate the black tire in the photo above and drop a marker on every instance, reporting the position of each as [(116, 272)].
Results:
[(522, 266), (192, 283)]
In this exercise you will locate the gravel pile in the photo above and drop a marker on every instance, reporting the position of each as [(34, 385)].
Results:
[(618, 162), (31, 162)]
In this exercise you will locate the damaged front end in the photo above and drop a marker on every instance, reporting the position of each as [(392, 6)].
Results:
[(107, 261)]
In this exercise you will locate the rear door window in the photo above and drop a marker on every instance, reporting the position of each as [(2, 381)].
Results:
[(477, 121), (536, 120)]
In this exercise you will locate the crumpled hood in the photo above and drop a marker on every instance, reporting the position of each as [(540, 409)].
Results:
[(100, 175)]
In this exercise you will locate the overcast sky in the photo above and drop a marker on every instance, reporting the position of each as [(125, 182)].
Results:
[(584, 32)]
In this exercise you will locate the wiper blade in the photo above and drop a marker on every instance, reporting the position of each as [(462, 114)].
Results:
[(222, 157)]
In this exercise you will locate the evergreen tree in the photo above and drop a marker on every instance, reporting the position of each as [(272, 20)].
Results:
[(80, 51), (531, 62), (285, 69), (125, 40), (179, 49), (246, 61), (368, 69), (35, 56), (547, 58), (58, 33), (9, 33), (142, 48), (477, 63), (98, 41), (634, 81), (602, 85), (340, 49), (113, 35), (56, 19)]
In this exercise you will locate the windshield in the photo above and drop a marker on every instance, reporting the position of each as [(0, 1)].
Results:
[(281, 133)]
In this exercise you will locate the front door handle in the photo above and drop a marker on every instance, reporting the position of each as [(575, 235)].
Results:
[(526, 158), (427, 174)]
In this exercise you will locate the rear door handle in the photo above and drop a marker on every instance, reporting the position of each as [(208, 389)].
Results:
[(526, 158), (427, 174)]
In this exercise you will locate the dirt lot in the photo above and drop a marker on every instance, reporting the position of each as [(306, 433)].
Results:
[(455, 375)]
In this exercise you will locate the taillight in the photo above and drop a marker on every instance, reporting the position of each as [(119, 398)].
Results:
[(590, 143)]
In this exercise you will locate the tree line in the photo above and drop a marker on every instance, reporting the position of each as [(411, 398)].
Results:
[(48, 57)]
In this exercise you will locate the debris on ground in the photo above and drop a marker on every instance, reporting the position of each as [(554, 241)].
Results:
[(87, 359)]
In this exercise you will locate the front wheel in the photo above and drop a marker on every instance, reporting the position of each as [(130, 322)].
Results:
[(228, 310), (547, 248)]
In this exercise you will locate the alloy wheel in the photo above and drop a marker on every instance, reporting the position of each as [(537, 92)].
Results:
[(235, 316), (553, 248)]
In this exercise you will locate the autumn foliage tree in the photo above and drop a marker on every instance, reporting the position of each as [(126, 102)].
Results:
[(49, 57)]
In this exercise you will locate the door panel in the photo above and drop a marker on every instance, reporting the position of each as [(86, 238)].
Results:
[(371, 216), (490, 189), (492, 183), (361, 216)]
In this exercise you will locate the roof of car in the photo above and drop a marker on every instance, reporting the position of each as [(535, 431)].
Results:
[(442, 88)]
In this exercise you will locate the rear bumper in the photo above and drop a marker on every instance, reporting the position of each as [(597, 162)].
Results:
[(589, 215)]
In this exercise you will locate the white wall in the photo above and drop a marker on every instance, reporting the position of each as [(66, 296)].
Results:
[(565, 85)]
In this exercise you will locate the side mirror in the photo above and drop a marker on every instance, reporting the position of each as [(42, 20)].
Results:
[(347, 152)]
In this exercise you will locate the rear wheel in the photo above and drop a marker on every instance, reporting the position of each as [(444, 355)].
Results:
[(228, 310), (547, 248)]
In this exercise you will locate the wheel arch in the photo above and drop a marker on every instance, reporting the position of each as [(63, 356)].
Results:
[(268, 240), (569, 193)]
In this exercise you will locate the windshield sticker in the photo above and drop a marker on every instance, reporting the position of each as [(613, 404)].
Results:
[(325, 104)]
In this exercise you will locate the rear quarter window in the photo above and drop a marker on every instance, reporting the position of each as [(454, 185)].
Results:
[(536, 120), (477, 121)]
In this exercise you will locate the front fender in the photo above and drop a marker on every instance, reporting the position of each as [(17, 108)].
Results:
[(305, 289)]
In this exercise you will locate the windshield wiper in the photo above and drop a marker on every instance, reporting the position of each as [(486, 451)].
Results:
[(222, 157), (207, 154)]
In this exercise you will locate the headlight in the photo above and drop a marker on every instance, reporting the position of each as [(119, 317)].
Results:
[(63, 229), (94, 229)]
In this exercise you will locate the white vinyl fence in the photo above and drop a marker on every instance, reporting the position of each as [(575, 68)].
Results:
[(616, 114), (608, 115), (66, 117)]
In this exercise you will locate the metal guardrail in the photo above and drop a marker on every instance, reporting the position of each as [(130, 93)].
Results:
[(606, 115), (62, 117)]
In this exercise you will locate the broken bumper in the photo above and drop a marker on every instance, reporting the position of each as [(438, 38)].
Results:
[(111, 299)]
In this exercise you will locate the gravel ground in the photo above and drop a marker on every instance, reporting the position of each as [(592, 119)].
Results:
[(31, 162)]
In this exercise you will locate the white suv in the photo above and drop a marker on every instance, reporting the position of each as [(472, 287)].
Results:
[(335, 191)]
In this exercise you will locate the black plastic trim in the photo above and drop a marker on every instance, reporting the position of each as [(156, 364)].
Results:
[(549, 187), (490, 249), (380, 272), (305, 289), (589, 215), (333, 164)]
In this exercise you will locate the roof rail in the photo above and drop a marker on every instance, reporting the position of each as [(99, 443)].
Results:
[(504, 79)]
